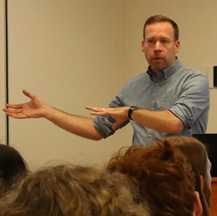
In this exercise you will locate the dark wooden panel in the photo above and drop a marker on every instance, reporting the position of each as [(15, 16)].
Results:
[(213, 209)]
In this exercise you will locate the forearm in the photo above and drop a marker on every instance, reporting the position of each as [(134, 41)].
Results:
[(78, 125), (163, 121)]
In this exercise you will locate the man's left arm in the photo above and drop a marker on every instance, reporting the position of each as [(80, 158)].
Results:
[(163, 121)]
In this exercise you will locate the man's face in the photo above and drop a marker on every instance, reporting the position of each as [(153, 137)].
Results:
[(207, 183), (159, 46)]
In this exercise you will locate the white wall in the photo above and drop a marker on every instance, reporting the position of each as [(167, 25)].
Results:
[(71, 54), (2, 74), (74, 53)]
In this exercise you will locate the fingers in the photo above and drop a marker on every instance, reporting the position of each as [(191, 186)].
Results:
[(114, 126), (28, 94), (13, 106), (95, 109), (15, 111), (116, 113), (12, 110), (16, 115)]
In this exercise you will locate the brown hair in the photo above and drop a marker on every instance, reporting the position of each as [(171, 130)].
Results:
[(67, 190), (161, 18), (160, 176), (197, 156)]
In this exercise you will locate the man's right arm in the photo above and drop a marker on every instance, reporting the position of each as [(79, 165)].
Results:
[(37, 108), (78, 125)]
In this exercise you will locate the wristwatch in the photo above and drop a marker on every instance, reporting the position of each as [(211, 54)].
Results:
[(130, 111)]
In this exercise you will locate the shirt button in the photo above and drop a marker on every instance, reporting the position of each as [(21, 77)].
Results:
[(156, 83)]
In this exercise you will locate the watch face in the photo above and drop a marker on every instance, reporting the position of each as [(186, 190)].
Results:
[(133, 107)]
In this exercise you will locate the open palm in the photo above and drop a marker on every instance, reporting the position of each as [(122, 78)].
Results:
[(31, 109)]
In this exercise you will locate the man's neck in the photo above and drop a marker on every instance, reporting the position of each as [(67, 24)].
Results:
[(154, 72)]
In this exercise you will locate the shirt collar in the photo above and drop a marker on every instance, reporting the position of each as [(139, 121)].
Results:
[(165, 73)]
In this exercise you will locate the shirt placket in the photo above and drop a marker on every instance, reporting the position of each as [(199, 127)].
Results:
[(154, 94)]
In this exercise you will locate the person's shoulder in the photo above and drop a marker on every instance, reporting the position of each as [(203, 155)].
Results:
[(192, 72), (140, 78), (194, 77), (135, 83)]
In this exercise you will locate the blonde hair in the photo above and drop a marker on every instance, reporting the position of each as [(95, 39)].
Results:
[(67, 190)]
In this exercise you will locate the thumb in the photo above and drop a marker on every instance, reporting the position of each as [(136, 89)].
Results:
[(114, 126), (28, 94)]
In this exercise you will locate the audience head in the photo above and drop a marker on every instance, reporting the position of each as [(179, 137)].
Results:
[(12, 167), (67, 190), (161, 177), (197, 156)]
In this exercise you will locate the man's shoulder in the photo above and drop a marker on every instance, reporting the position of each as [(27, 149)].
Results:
[(192, 77), (136, 83), (140, 78), (190, 72)]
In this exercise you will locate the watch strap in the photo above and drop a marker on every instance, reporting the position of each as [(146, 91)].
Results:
[(130, 111)]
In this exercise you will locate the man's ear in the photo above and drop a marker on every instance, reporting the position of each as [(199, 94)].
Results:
[(177, 45), (143, 45), (198, 209)]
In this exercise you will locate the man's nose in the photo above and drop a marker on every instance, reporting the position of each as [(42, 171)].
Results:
[(158, 46)]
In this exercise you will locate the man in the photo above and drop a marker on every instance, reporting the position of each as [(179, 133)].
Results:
[(168, 99)]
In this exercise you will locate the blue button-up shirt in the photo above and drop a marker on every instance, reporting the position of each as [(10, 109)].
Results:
[(182, 90)]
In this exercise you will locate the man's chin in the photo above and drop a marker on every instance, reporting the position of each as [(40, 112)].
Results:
[(158, 64), (157, 68)]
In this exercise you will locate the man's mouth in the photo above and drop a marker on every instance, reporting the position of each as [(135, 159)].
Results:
[(158, 58)]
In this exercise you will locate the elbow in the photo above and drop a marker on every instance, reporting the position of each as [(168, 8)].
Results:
[(177, 126), (97, 137)]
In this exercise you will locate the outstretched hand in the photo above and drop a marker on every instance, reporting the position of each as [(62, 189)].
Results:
[(32, 109), (120, 114)]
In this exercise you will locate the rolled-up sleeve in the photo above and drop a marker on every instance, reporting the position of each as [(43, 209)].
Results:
[(193, 100), (103, 124)]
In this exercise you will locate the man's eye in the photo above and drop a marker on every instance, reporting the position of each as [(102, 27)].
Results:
[(150, 41), (164, 41)]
